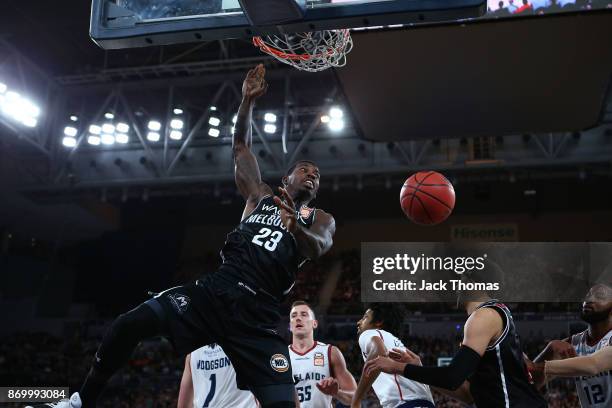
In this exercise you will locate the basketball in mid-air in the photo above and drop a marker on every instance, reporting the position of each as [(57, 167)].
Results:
[(427, 198)]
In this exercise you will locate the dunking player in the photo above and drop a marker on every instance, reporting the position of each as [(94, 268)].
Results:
[(319, 369), (375, 330), (236, 307), (488, 369), (594, 390), (209, 380)]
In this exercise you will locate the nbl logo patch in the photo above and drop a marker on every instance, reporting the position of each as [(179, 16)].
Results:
[(279, 363), (180, 302), (319, 359)]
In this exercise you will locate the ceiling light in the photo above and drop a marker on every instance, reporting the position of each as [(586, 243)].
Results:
[(269, 128), (153, 137), (176, 124), (154, 125), (69, 141), (70, 131), (123, 127), (336, 113)]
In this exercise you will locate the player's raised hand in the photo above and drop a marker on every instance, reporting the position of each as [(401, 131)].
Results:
[(405, 356), (383, 364), (328, 386), (255, 84), (287, 207)]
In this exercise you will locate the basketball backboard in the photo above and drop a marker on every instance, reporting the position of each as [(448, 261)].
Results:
[(139, 23)]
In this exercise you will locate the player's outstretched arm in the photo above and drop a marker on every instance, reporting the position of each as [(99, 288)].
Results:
[(185, 398), (593, 364), (341, 385), (246, 170), (554, 350), (375, 349), (480, 329), (312, 242)]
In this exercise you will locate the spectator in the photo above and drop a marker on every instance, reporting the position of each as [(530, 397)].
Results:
[(526, 8)]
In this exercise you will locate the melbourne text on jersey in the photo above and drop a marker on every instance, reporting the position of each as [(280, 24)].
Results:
[(273, 219)]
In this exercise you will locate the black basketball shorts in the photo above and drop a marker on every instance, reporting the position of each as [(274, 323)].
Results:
[(240, 320)]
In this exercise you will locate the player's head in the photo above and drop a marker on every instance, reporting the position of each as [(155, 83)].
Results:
[(386, 316), (302, 180), (597, 304), (302, 321)]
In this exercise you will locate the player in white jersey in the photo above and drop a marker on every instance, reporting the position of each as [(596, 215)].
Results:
[(375, 339), (594, 391), (209, 381), (319, 369)]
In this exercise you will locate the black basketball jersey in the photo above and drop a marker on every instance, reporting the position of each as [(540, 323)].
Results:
[(501, 379), (261, 253)]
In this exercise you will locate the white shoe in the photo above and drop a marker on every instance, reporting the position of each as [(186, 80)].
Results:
[(73, 402)]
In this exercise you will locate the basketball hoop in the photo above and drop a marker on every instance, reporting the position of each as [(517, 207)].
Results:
[(312, 51)]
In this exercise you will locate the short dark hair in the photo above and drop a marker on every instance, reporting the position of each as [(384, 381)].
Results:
[(390, 315), (295, 164), (303, 303)]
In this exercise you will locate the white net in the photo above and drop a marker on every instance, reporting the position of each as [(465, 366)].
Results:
[(313, 51)]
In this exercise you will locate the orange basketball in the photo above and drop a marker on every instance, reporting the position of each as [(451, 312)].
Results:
[(427, 198)]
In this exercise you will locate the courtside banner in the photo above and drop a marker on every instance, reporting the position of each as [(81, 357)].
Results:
[(509, 271)]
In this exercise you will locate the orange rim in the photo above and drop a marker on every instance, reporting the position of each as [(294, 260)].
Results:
[(259, 42)]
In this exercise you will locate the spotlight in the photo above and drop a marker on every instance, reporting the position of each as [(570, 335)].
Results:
[(19, 108), (176, 124), (109, 115), (74, 118), (269, 128), (176, 135), (154, 125), (213, 108), (69, 141), (70, 131), (2, 88), (235, 118), (214, 121), (270, 117), (107, 139), (122, 138), (123, 127), (93, 140), (178, 111), (153, 137), (336, 124), (95, 129), (29, 122), (213, 132), (325, 119), (336, 113), (108, 128), (233, 129)]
